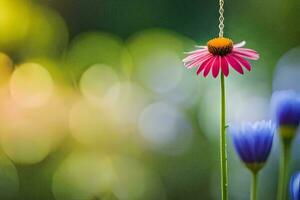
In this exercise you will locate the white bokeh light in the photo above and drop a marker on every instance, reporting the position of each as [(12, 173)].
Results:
[(245, 102), (165, 128), (127, 100), (161, 71), (186, 92), (287, 73)]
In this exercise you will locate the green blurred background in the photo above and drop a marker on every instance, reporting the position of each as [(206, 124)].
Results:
[(95, 102)]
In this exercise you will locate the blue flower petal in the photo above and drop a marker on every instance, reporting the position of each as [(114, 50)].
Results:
[(253, 141), (286, 108)]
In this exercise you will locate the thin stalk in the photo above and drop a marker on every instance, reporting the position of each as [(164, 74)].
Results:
[(254, 186), (223, 145), (284, 169)]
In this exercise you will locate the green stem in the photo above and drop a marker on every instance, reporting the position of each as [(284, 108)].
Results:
[(284, 169), (254, 186), (223, 145)]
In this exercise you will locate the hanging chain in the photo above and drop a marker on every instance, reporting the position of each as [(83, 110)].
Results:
[(221, 18)]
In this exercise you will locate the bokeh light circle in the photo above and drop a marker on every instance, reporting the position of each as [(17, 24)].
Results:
[(23, 149), (28, 135), (47, 33), (14, 22), (156, 56), (287, 72), (165, 128), (161, 71), (88, 175), (127, 100), (91, 48), (135, 181), (96, 82), (31, 85), (83, 176), (92, 125), (25, 141), (245, 102)]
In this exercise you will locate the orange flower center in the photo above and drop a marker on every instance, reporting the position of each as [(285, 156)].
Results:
[(220, 46)]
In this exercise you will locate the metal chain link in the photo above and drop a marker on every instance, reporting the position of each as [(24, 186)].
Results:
[(221, 18)]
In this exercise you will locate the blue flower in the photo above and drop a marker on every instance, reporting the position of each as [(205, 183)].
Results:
[(253, 142), (286, 108), (295, 186)]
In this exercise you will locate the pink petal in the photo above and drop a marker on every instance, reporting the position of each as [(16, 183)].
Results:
[(208, 66), (194, 56), (216, 66), (247, 50), (243, 61), (246, 54), (224, 66), (241, 44), (195, 53), (192, 62), (204, 64), (198, 61), (234, 64)]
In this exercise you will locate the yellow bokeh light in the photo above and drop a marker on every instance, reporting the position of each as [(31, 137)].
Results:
[(93, 125), (28, 135), (90, 175), (31, 85), (83, 176), (14, 21), (135, 181), (23, 146)]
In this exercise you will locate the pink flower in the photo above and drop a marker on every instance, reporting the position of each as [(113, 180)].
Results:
[(219, 54)]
